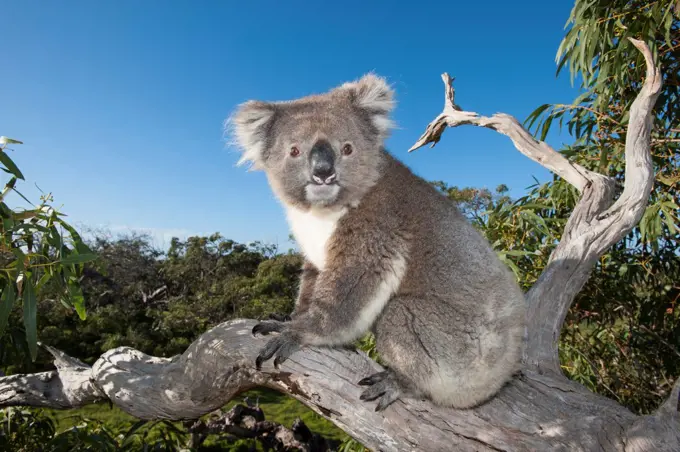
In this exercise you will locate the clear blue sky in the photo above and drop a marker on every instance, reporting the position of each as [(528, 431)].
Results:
[(120, 104)]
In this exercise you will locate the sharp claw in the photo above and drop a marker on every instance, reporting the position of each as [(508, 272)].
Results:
[(365, 381), (258, 328), (373, 379), (371, 395), (278, 361), (264, 328), (384, 402)]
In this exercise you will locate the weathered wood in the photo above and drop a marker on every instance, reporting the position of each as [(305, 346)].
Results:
[(538, 410), (534, 412)]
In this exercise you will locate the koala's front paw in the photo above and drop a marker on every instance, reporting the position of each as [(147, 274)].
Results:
[(383, 385), (268, 326), (282, 346)]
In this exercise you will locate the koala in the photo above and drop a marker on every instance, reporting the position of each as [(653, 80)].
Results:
[(384, 251)]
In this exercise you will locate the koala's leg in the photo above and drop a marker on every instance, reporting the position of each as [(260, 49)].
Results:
[(348, 296), (404, 344), (306, 291)]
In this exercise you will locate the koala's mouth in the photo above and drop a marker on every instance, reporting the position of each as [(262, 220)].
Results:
[(324, 194)]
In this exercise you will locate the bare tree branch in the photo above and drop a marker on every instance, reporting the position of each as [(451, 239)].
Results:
[(538, 151), (594, 225), (534, 412)]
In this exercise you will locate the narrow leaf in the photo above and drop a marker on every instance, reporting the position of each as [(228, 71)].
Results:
[(78, 258), (30, 314), (11, 166), (7, 140), (6, 304), (77, 299)]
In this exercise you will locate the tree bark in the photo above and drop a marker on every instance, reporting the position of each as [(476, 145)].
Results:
[(540, 409)]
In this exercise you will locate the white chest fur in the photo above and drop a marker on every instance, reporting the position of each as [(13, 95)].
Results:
[(312, 230)]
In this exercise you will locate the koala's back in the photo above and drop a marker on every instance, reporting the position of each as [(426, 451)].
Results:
[(454, 328)]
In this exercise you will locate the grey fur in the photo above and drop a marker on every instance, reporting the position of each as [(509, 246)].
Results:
[(390, 254)]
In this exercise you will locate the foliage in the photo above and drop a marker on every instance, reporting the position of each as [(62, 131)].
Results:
[(37, 248), (24, 430), (204, 281)]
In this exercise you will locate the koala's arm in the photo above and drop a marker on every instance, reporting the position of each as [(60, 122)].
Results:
[(362, 273), (306, 290)]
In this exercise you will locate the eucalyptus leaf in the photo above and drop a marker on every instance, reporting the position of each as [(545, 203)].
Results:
[(10, 165), (6, 304), (75, 258), (30, 315)]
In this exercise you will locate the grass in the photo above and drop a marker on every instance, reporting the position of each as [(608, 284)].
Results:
[(277, 407)]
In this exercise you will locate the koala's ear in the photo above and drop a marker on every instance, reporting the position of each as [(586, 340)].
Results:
[(373, 94), (249, 126)]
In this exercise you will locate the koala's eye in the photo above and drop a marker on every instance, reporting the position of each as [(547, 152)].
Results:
[(347, 149), (294, 151)]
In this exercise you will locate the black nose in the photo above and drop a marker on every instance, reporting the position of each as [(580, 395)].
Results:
[(322, 162)]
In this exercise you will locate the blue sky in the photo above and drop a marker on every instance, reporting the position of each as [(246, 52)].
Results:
[(121, 104)]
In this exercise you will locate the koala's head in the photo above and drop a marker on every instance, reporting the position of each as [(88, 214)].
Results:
[(322, 150)]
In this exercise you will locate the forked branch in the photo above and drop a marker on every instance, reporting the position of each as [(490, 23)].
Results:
[(595, 224)]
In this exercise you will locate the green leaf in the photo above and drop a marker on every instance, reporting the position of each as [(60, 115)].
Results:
[(77, 299), (30, 314), (66, 303), (43, 280), (20, 258), (28, 227), (668, 219), (133, 429), (7, 140), (546, 127), (74, 258), (77, 240), (6, 304), (10, 165), (534, 115), (537, 221)]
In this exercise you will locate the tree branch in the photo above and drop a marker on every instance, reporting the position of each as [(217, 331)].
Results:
[(538, 151), (533, 412), (594, 225)]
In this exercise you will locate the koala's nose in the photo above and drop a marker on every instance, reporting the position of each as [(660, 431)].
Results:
[(322, 162)]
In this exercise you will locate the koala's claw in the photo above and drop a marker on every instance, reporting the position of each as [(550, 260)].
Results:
[(383, 386), (270, 326), (280, 317), (282, 346), (373, 379)]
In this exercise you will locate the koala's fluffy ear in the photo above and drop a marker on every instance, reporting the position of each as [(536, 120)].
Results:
[(373, 94), (249, 126)]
